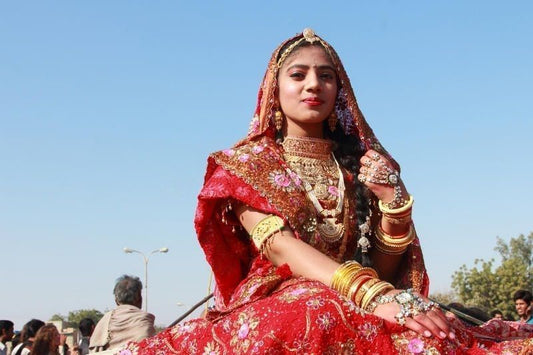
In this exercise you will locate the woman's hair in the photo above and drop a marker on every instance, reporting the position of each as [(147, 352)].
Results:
[(86, 326), (348, 149), (45, 341), (127, 289), (30, 329)]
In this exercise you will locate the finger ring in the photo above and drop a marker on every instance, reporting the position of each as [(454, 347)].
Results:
[(368, 163), (362, 178), (393, 178), (375, 156)]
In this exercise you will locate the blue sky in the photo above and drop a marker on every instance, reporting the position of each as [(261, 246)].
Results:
[(109, 109)]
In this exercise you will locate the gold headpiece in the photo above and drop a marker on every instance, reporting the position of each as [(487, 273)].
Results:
[(308, 35)]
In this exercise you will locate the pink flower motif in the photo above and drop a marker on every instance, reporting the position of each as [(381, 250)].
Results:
[(244, 158), (415, 346), (325, 321), (368, 331), (282, 180), (229, 152), (243, 331), (333, 191), (257, 149), (295, 178)]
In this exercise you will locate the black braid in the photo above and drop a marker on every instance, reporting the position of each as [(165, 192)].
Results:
[(348, 151)]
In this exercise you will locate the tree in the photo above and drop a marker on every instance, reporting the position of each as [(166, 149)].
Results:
[(489, 287), (74, 317)]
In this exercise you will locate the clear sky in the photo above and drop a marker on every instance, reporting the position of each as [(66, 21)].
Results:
[(108, 110)]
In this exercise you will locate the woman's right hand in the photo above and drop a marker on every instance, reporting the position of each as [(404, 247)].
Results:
[(433, 322)]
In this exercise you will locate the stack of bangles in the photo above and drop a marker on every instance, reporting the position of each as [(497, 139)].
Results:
[(359, 284), (395, 245)]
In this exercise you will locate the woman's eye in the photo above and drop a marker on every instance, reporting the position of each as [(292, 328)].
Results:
[(297, 75), (327, 76)]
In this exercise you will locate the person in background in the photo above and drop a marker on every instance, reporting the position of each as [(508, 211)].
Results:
[(6, 334), (522, 301), (86, 328), (497, 314), (27, 335), (48, 341), (127, 322)]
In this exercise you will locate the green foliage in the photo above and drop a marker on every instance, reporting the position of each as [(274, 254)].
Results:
[(491, 287), (74, 317), (57, 317)]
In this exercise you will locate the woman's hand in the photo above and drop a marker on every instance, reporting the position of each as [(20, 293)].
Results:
[(379, 175), (427, 323)]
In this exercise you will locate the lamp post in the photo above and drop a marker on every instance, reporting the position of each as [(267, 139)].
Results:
[(145, 258)]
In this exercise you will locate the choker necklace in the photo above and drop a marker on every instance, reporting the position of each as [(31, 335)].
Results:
[(307, 147)]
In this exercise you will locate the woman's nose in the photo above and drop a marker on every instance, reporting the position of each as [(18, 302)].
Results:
[(313, 82)]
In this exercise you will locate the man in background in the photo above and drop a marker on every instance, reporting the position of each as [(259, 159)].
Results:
[(127, 322), (522, 301), (6, 333)]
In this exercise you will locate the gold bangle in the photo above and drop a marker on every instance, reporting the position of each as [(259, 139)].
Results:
[(376, 290), (396, 211), (342, 275), (363, 290), (356, 285), (393, 245), (265, 228)]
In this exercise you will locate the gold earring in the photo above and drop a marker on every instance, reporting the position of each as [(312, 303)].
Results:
[(278, 120), (332, 121)]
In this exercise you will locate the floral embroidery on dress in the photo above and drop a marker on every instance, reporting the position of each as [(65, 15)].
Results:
[(326, 321), (244, 331), (415, 346), (315, 303), (211, 348), (368, 331)]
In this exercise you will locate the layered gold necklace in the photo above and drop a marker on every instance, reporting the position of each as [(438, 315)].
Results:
[(313, 161)]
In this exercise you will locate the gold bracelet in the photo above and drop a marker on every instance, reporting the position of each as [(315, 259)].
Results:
[(265, 228), (363, 290), (379, 288), (356, 285), (342, 275), (391, 245), (396, 211)]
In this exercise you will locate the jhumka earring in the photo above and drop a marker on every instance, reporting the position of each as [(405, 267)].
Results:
[(332, 121), (278, 120)]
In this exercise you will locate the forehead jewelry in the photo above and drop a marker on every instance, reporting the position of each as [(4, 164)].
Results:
[(309, 36)]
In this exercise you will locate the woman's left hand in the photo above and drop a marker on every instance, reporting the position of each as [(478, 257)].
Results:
[(427, 322), (380, 176)]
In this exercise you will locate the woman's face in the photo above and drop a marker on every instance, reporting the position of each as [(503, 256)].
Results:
[(307, 91)]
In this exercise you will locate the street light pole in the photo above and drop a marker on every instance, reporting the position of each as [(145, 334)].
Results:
[(145, 259)]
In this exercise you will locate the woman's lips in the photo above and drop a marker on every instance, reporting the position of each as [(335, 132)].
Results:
[(313, 102)]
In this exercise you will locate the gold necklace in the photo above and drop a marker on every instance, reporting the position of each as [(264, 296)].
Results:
[(310, 159)]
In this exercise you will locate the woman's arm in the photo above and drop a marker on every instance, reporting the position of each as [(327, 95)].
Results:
[(284, 248)]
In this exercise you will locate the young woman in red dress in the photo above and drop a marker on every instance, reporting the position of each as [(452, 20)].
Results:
[(306, 224)]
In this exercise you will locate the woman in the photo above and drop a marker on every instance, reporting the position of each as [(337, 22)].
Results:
[(28, 333), (47, 341), (307, 227)]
